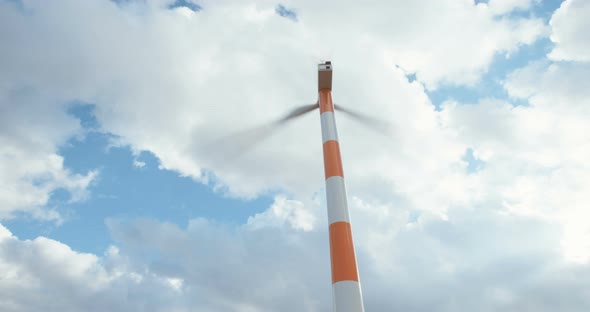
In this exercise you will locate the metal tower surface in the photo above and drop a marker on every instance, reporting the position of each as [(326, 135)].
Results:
[(346, 288)]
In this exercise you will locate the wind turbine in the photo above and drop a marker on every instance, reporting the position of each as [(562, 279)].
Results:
[(346, 288)]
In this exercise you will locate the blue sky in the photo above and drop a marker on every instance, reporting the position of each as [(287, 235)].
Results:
[(475, 195), (124, 191), (490, 83)]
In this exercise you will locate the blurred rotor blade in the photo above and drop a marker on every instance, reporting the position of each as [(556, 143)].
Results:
[(233, 145), (298, 112), (375, 124)]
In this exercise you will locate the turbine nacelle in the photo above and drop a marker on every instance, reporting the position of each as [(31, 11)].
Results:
[(325, 75)]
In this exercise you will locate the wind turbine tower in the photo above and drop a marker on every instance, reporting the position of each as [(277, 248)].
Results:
[(346, 287)]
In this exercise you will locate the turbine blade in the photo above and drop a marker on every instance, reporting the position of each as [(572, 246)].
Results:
[(382, 126), (233, 145), (299, 111)]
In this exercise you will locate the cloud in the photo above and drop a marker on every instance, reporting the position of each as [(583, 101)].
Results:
[(569, 24), (535, 154), (477, 259), (402, 33), (32, 127), (293, 213), (46, 274), (561, 130), (506, 6), (155, 76)]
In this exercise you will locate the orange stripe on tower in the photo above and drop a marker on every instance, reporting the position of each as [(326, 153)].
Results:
[(342, 253), (326, 101), (332, 160)]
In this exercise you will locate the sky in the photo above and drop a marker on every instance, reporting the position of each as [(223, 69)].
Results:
[(128, 181)]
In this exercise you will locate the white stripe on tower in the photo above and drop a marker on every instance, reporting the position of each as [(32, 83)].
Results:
[(346, 289)]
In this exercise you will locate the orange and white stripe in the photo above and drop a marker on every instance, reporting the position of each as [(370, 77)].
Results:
[(346, 288)]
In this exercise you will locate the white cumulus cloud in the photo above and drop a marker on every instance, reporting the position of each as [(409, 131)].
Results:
[(569, 26)]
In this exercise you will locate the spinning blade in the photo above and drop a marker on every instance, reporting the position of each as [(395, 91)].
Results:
[(379, 125), (236, 144)]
